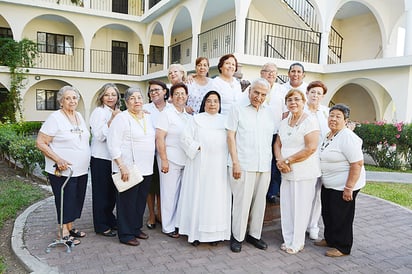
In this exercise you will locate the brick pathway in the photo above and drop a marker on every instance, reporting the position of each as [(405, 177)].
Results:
[(382, 243)]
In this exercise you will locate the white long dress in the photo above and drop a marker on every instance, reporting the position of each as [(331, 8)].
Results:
[(203, 212)]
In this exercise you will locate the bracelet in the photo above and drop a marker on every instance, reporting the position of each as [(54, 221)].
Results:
[(348, 188)]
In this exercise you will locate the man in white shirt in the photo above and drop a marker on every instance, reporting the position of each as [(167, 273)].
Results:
[(250, 127), (296, 75)]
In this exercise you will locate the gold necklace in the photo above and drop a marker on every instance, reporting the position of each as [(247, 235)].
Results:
[(143, 126), (77, 129)]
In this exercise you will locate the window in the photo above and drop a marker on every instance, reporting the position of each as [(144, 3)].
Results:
[(156, 55), (46, 99), (6, 33), (55, 43)]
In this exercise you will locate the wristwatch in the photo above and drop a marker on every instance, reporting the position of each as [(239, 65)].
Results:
[(287, 161)]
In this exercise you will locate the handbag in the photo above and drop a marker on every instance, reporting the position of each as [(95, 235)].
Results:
[(135, 176)]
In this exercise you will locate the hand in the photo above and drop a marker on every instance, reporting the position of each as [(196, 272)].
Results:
[(124, 171), (62, 165), (236, 172), (189, 110), (347, 195), (165, 166)]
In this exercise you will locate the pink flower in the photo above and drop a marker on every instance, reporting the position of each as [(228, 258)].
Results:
[(398, 136)]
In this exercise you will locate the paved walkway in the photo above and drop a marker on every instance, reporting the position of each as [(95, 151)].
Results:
[(382, 243)]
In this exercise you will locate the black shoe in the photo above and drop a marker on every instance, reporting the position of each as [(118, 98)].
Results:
[(108, 233), (257, 243), (235, 245)]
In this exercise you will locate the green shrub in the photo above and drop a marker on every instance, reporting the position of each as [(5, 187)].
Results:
[(24, 151), (389, 145), (7, 135)]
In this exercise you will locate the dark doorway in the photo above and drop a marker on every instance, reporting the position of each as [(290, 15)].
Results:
[(119, 57)]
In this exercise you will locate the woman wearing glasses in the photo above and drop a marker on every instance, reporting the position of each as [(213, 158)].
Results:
[(171, 158), (295, 149), (158, 94)]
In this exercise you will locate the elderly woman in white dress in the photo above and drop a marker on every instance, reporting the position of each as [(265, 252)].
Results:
[(131, 140), (205, 196), (295, 150)]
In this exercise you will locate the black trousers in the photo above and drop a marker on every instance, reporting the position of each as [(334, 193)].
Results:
[(74, 194), (130, 208), (338, 216), (103, 195)]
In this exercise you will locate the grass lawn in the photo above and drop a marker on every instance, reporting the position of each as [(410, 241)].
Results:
[(14, 196), (400, 194)]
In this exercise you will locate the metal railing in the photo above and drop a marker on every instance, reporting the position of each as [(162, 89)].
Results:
[(180, 53), (101, 62), (71, 59), (305, 11), (217, 41), (278, 41), (134, 7), (335, 47)]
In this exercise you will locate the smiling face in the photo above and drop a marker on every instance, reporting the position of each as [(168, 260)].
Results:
[(156, 93), (110, 98), (69, 101), (135, 102), (212, 104), (257, 95), (269, 72), (202, 68), (296, 75), (295, 102), (175, 75), (315, 96), (229, 67), (179, 97)]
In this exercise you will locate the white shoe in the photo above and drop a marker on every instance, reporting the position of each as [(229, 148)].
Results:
[(313, 236)]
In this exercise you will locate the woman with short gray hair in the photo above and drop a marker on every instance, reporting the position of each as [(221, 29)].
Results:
[(131, 140)]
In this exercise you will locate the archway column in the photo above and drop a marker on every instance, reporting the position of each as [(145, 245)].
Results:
[(408, 33)]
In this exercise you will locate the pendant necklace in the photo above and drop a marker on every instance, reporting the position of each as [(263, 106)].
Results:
[(142, 125), (291, 128), (327, 141), (76, 130)]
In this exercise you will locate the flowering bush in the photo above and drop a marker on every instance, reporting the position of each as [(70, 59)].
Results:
[(389, 145)]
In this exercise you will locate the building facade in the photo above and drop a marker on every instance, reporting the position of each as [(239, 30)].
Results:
[(361, 49)]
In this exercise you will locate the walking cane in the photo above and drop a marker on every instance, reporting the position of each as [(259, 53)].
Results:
[(61, 241)]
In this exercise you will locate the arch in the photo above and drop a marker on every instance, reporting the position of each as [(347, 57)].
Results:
[(30, 99), (181, 36), (156, 41), (368, 99), (5, 24)]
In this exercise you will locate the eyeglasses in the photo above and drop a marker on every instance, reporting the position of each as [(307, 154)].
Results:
[(269, 71), (155, 90), (292, 100)]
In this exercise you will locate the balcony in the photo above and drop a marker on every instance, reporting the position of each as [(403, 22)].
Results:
[(111, 62), (70, 59)]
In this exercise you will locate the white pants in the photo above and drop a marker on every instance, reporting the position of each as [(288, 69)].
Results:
[(313, 227), (249, 202), (169, 194), (295, 206)]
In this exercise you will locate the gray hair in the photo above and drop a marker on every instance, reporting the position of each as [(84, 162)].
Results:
[(102, 91), (260, 82), (343, 108), (269, 64), (60, 93), (129, 92)]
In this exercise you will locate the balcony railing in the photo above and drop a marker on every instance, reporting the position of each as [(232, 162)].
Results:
[(218, 41), (132, 7), (306, 12), (101, 61), (278, 41), (335, 47), (180, 53), (71, 59)]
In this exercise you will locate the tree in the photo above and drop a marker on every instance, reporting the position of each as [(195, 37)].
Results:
[(19, 57)]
